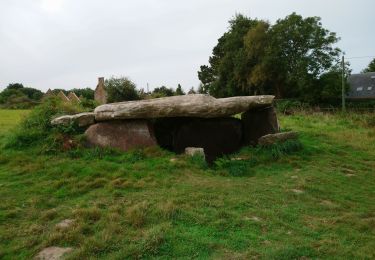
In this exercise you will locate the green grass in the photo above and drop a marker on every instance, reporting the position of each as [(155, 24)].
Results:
[(142, 204), (9, 118)]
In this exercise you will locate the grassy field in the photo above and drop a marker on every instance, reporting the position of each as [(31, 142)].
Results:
[(9, 118), (315, 203)]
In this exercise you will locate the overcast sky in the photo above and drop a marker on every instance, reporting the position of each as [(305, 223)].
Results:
[(70, 43)]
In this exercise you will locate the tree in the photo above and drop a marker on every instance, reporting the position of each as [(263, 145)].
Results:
[(255, 57), (32, 93), (201, 89), (299, 51), (370, 67), (227, 74), (121, 89), (14, 86), (87, 93), (163, 91), (179, 91), (16, 92)]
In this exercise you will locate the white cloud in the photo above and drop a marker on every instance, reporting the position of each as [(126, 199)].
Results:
[(52, 6), (69, 43)]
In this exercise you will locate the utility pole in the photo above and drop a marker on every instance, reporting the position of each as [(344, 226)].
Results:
[(343, 84)]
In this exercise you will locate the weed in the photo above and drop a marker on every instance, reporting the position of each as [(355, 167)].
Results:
[(136, 214), (281, 149), (88, 214), (169, 210)]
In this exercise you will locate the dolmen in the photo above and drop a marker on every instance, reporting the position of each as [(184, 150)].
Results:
[(219, 126)]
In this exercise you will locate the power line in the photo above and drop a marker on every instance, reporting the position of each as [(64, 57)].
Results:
[(360, 57)]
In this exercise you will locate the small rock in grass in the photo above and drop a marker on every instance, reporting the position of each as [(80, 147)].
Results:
[(192, 151), (239, 158), (297, 191), (294, 177), (256, 219), (271, 139), (348, 170), (66, 223), (53, 253), (173, 160), (328, 203)]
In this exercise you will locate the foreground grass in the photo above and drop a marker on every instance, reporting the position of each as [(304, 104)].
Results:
[(316, 203)]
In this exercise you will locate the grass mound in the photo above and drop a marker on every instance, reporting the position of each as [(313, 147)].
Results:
[(36, 130)]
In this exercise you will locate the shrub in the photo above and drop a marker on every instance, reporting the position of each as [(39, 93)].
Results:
[(280, 149), (36, 128), (290, 106), (121, 89)]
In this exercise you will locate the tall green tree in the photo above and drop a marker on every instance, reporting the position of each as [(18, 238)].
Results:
[(370, 67), (225, 75), (299, 51), (286, 59)]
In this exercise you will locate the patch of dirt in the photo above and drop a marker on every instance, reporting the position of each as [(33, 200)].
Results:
[(328, 203), (347, 170), (66, 223), (53, 253)]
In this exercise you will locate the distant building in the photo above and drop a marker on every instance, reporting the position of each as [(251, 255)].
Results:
[(100, 92), (362, 86), (73, 97), (49, 93), (63, 97)]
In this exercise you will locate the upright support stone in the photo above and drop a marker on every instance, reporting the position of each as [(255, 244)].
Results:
[(259, 122), (124, 135)]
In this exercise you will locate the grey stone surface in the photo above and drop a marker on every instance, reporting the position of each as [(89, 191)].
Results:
[(53, 253), (82, 119), (195, 105), (277, 138), (192, 151), (64, 224), (259, 122), (121, 134)]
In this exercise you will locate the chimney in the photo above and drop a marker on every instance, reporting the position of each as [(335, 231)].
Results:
[(101, 81)]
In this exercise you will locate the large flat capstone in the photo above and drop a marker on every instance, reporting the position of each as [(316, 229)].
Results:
[(197, 105), (82, 119)]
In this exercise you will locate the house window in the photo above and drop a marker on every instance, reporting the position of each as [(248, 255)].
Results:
[(360, 89), (369, 88)]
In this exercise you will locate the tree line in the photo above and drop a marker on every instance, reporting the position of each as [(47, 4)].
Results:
[(16, 96), (295, 57)]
